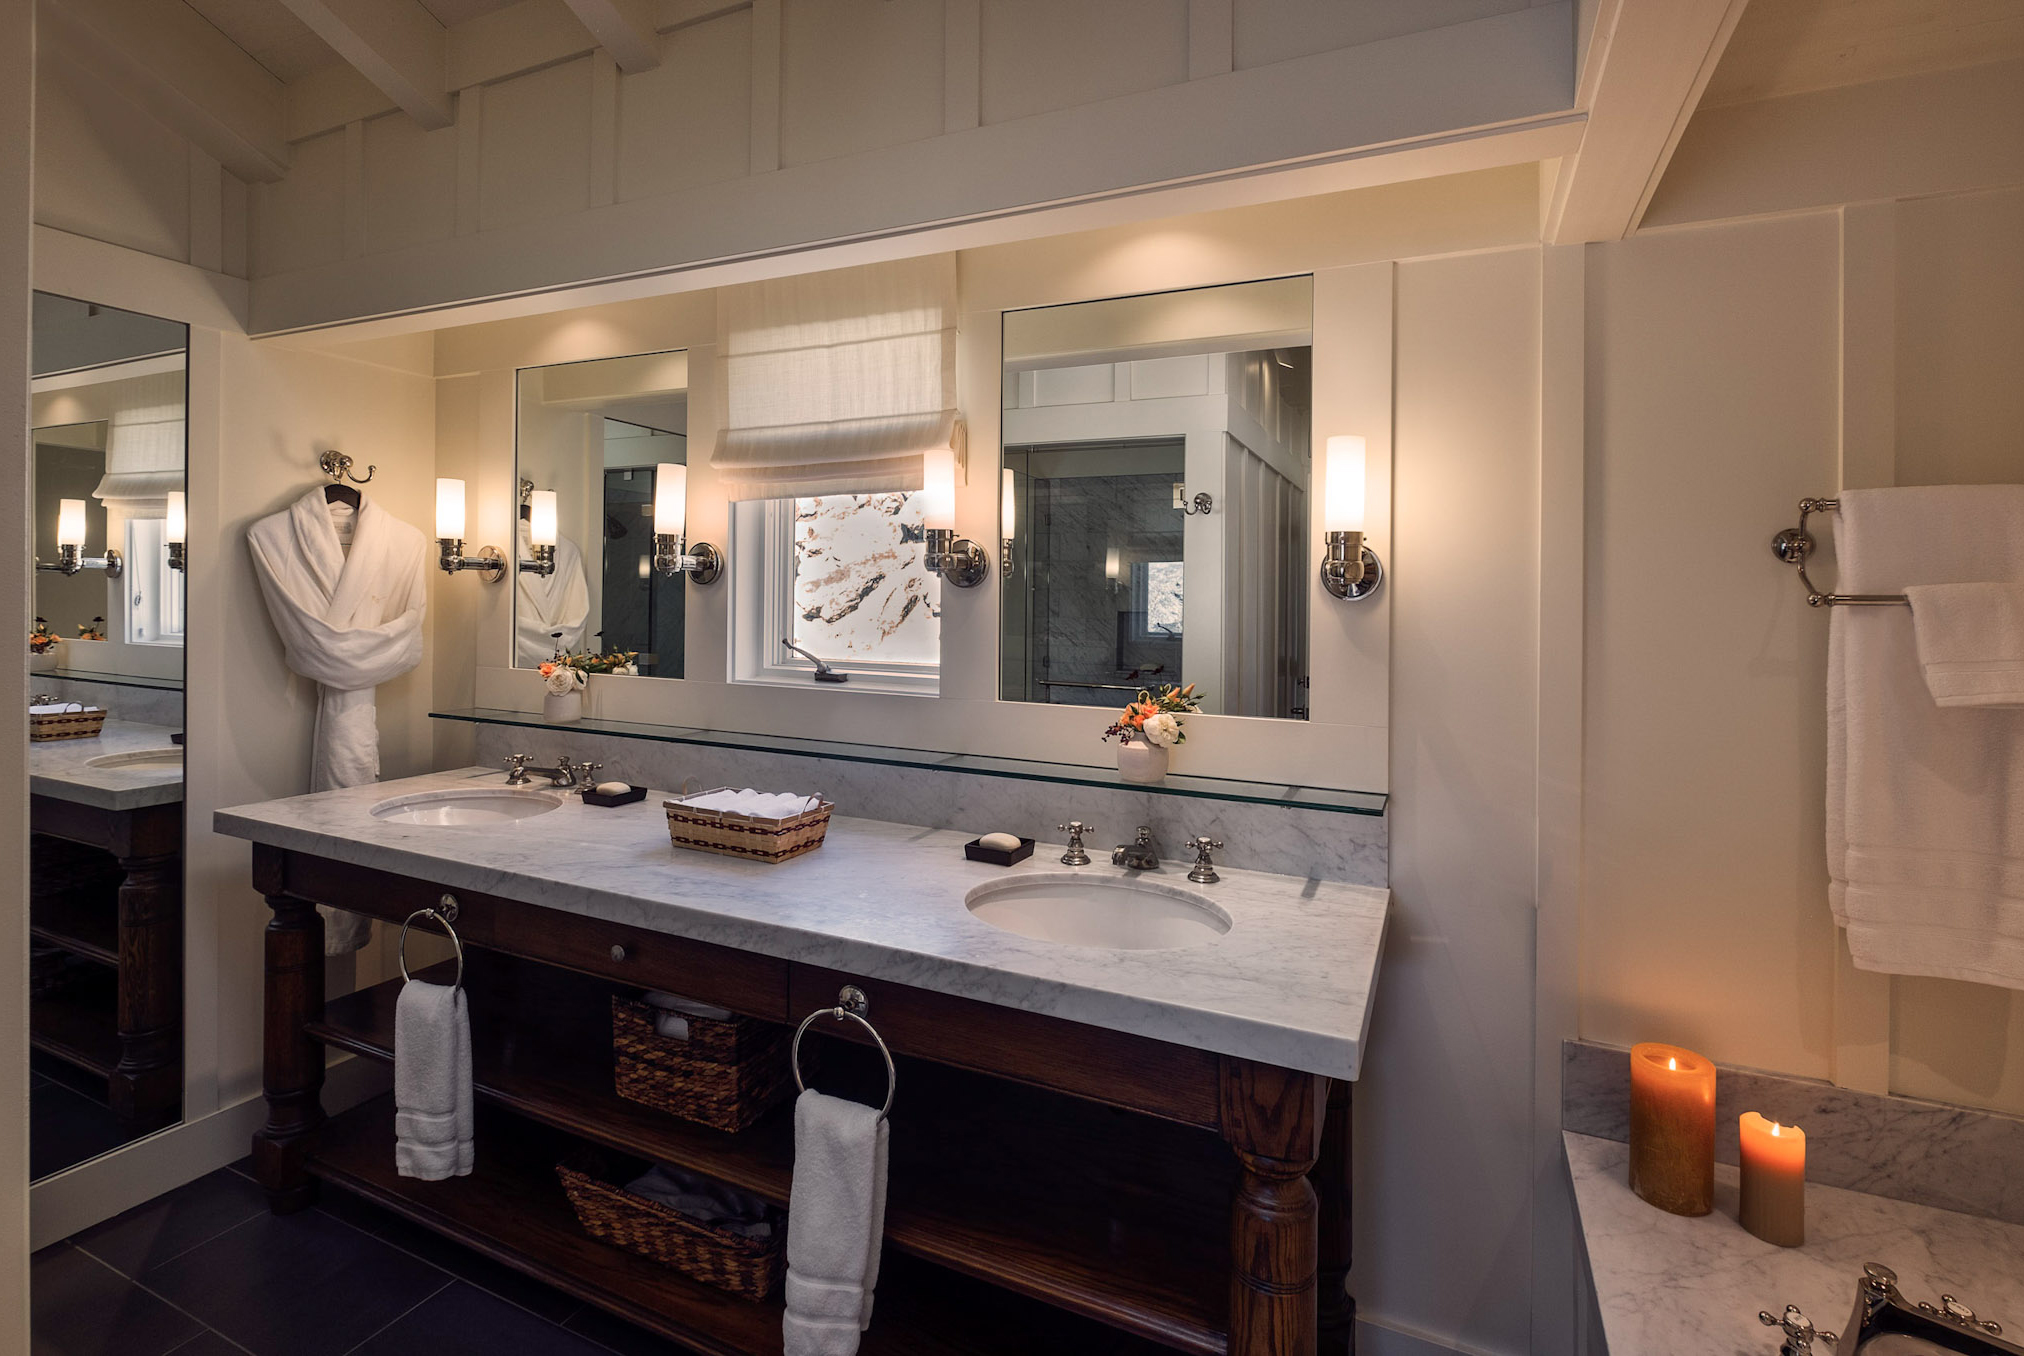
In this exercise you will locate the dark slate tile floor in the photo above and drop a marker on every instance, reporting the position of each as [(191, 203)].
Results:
[(205, 1270)]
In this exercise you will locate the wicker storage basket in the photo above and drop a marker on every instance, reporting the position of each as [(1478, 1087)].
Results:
[(75, 722), (736, 835), (726, 1075), (746, 1267)]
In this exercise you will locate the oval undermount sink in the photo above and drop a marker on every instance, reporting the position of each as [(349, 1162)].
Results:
[(141, 760), (466, 809), (1077, 910)]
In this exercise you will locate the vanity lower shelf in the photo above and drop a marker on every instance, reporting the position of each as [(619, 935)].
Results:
[(511, 1208), (1106, 1214)]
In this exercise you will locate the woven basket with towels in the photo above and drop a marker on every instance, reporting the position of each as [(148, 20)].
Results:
[(699, 822)]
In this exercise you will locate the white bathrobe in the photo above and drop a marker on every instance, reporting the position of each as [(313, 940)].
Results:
[(349, 621), (558, 602)]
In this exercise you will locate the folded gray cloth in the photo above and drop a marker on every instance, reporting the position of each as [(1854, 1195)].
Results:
[(705, 1200), (432, 1082)]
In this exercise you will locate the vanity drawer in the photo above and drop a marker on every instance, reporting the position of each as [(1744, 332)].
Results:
[(1171, 1081)]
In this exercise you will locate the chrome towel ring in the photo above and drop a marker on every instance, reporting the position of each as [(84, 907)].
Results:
[(851, 1005), (445, 913)]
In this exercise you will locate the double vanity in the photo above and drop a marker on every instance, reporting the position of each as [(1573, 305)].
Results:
[(1121, 1111)]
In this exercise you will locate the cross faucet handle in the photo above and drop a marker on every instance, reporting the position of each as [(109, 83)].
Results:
[(516, 767), (1798, 1329), (1076, 855), (586, 774), (1205, 867)]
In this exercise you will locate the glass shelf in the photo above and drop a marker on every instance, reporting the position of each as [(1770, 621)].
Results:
[(109, 679), (1069, 774)]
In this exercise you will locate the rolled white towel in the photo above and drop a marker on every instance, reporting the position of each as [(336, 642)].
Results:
[(672, 1013), (757, 804)]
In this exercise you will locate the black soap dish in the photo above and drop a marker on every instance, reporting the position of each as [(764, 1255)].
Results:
[(631, 796), (977, 852)]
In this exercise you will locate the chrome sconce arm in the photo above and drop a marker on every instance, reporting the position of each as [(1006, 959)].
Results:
[(702, 562), (73, 560), (489, 563), (1351, 571), (543, 563), (177, 560), (958, 560)]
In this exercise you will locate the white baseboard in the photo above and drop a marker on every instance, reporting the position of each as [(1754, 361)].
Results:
[(79, 1197), (1377, 1339)]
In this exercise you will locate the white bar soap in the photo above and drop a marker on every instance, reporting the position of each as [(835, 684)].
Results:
[(1000, 842), (613, 788)]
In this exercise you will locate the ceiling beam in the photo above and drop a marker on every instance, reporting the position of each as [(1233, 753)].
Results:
[(166, 60), (625, 28), (1641, 81), (396, 44)]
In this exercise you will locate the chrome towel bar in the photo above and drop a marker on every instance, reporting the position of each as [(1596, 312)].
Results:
[(1793, 545), (851, 1006)]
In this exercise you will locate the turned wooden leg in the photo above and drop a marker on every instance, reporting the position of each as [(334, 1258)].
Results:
[(146, 1087), (294, 1062), (1272, 1119), (1332, 1186)]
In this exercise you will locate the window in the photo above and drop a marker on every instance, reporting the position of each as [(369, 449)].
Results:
[(154, 592), (1157, 586), (842, 577)]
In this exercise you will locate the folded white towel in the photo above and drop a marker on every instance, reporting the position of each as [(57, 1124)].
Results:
[(835, 1224), (432, 1082), (1925, 803), (672, 1013), (758, 804), (705, 1200), (1971, 642)]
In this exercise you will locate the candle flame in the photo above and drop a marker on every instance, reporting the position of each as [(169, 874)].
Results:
[(1672, 1063)]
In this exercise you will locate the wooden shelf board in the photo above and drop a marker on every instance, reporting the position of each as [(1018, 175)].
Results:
[(1115, 1217), (512, 1209), (79, 1024), (78, 921)]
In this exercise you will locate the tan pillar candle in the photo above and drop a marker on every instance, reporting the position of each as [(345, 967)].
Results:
[(1774, 1180), (1672, 1128)]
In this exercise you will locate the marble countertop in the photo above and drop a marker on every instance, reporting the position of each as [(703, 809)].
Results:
[(1289, 984), (60, 768), (1672, 1286)]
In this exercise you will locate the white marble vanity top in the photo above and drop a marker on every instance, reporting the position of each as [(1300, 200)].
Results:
[(1290, 984), (1673, 1286), (59, 768)]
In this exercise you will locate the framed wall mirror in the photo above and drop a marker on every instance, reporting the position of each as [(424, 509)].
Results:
[(589, 438), (107, 519), (1155, 498)]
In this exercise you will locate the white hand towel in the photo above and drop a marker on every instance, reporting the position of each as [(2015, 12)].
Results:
[(1925, 803), (672, 1013), (1971, 642), (835, 1224), (758, 804), (432, 1082)]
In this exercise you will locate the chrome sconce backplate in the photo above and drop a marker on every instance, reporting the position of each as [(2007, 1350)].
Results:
[(1351, 571), (957, 559), (702, 562)]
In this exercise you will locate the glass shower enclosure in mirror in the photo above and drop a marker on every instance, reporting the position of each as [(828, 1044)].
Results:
[(593, 434), (107, 516), (1155, 479)]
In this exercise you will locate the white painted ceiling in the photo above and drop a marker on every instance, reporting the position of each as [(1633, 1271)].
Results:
[(266, 31), (1783, 47)]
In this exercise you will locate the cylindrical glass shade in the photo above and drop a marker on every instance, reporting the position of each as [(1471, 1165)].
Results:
[(541, 518), (449, 509), (70, 522), (938, 489), (177, 529), (671, 499), (1008, 509), (1344, 505)]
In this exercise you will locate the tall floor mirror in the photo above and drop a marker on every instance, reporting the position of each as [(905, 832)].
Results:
[(105, 724)]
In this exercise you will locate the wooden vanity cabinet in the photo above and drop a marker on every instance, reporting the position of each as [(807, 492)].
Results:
[(1055, 1187)]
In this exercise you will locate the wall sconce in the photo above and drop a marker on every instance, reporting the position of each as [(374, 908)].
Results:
[(1008, 521), (702, 562), (1352, 570), (70, 556), (957, 559), (541, 516), (177, 528), (490, 565)]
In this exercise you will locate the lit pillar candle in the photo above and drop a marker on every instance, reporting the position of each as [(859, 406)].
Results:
[(1774, 1180), (1672, 1128)]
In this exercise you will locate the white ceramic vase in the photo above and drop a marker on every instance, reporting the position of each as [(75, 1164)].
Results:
[(45, 662), (1139, 761), (563, 709)]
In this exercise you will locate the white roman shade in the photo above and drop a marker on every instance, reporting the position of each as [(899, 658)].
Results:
[(838, 382), (144, 443)]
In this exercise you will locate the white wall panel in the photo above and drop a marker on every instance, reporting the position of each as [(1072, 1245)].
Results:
[(688, 120), (858, 74), (105, 169), (299, 220), (1041, 55), (1278, 30), (410, 183), (536, 157)]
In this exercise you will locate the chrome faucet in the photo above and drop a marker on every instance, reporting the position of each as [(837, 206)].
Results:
[(1137, 854), (519, 774)]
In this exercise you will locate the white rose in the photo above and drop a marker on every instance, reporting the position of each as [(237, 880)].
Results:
[(1162, 730), (626, 671), (561, 680)]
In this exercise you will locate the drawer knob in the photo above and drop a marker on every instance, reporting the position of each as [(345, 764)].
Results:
[(618, 951)]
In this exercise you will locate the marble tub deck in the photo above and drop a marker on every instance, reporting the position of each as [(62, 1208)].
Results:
[(58, 768), (1290, 984), (1666, 1285)]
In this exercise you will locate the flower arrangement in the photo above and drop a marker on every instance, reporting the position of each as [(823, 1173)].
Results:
[(567, 673), (91, 630), (41, 640), (1156, 719)]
